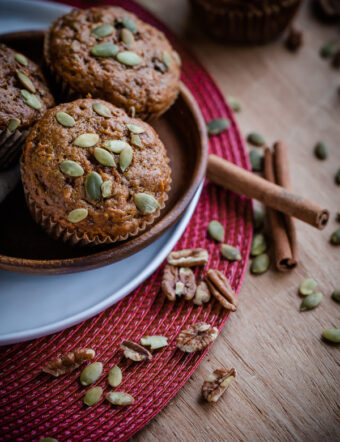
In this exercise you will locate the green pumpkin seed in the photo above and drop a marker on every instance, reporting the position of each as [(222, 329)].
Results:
[(106, 189), (337, 177), (335, 238), (259, 245), (127, 37), (26, 82), (92, 396), (307, 287), (166, 59), (217, 126), (115, 376), (104, 157), (101, 110), (120, 398), (258, 218), (177, 58), (321, 151), (336, 295), (13, 124), (30, 99), (230, 253), (216, 230), (136, 141), (93, 184), (91, 373), (86, 140), (328, 49), (256, 139), (65, 119), (77, 215), (260, 264), (21, 59), (115, 146), (234, 104), (135, 129), (106, 49), (125, 158), (129, 24), (48, 439), (103, 30), (71, 168), (146, 203), (129, 58), (154, 342), (332, 335), (256, 160), (311, 301)]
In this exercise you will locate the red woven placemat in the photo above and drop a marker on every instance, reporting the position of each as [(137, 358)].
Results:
[(35, 405)]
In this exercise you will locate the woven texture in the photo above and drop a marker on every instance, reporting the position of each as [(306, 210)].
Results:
[(35, 405)]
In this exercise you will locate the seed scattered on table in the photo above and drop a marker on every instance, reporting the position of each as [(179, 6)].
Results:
[(93, 396), (155, 341), (336, 295), (91, 373), (311, 301), (332, 335), (307, 286), (216, 230), (321, 150), (335, 238), (260, 264), (115, 376), (217, 126), (119, 398)]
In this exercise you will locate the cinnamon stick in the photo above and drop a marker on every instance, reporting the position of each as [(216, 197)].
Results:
[(239, 180)]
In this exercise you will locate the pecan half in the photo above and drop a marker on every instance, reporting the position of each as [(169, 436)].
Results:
[(135, 352), (217, 383), (202, 294), (178, 281), (196, 337), (220, 288), (189, 258), (68, 362)]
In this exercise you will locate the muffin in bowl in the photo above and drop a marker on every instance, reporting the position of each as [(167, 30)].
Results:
[(111, 54), (92, 174)]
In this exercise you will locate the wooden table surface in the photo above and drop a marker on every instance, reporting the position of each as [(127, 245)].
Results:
[(287, 385)]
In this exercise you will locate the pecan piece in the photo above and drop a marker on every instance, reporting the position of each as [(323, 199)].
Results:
[(188, 258), (217, 383), (294, 39), (178, 281), (196, 337), (68, 362), (202, 294), (135, 352), (220, 288)]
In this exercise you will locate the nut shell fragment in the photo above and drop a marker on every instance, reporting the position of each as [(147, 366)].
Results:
[(197, 337), (189, 257), (217, 383), (221, 289), (68, 362), (135, 352), (177, 282)]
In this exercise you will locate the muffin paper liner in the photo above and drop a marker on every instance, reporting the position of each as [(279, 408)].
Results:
[(10, 146)]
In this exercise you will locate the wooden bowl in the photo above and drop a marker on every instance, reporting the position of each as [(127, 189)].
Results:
[(26, 248)]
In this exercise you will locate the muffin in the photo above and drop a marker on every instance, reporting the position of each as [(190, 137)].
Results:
[(111, 54), (24, 97), (92, 174), (245, 21)]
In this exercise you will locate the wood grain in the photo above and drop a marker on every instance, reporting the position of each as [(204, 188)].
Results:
[(287, 385)]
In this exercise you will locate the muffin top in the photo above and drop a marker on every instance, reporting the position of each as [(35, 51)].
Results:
[(24, 94), (111, 54), (90, 155)]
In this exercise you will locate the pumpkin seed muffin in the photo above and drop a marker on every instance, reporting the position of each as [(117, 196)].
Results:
[(111, 54), (92, 174), (24, 97)]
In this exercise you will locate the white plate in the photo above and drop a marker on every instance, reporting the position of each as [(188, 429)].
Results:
[(35, 305)]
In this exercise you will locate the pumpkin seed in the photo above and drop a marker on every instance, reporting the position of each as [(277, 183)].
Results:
[(48, 439), (92, 396), (101, 110), (128, 58), (146, 203), (321, 151), (93, 184), (335, 237), (125, 158), (127, 37), (328, 49), (106, 49), (216, 230), (260, 264), (115, 376), (77, 215), (65, 119), (129, 24), (135, 129), (258, 218), (30, 99), (104, 157), (106, 189), (115, 146), (256, 139), (307, 287), (336, 295), (234, 104), (136, 141), (13, 124), (230, 253), (258, 245), (26, 82), (103, 30), (166, 59), (71, 168), (21, 59), (337, 177), (311, 301), (120, 398), (332, 335), (86, 140), (217, 126), (91, 373), (177, 58), (154, 342), (256, 160)]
